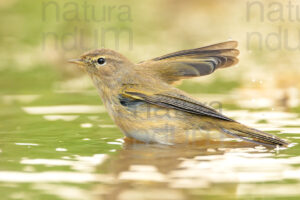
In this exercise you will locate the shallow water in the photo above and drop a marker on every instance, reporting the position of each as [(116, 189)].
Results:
[(52, 150)]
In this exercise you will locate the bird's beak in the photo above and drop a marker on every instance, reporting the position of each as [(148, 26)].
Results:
[(76, 61)]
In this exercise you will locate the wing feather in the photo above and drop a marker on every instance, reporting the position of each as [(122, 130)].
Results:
[(178, 102), (192, 62)]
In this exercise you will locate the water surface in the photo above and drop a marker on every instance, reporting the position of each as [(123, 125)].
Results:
[(54, 147)]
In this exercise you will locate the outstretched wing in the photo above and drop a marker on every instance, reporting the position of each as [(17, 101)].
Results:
[(192, 63)]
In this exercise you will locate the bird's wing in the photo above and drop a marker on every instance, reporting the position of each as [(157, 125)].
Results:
[(192, 63), (177, 100), (172, 99)]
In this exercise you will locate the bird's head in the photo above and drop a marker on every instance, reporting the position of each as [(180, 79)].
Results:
[(104, 64)]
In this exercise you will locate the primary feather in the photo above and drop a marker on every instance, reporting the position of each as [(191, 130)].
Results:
[(192, 62)]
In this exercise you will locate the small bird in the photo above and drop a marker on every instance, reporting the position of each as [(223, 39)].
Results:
[(144, 103)]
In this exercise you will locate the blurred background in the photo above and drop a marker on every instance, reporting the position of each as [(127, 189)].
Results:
[(38, 38), (52, 120)]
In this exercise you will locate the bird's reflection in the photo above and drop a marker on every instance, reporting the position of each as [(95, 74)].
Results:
[(146, 171), (166, 158)]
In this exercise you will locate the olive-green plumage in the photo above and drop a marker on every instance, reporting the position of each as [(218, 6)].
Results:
[(141, 100)]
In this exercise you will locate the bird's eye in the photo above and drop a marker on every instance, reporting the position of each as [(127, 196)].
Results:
[(101, 61)]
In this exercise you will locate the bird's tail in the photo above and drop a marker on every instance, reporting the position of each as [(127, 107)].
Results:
[(253, 135)]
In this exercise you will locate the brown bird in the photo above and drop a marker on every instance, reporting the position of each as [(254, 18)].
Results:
[(142, 101)]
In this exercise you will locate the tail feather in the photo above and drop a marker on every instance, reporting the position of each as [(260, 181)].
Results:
[(254, 136)]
